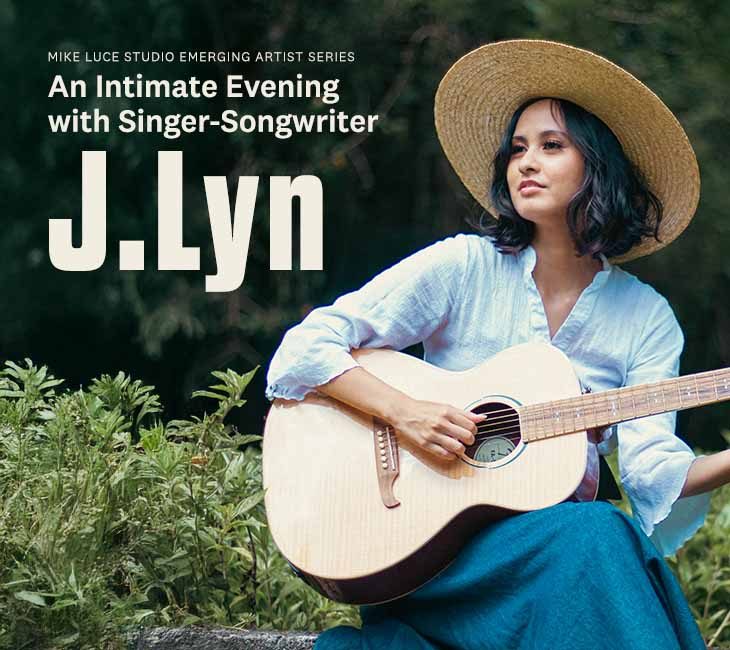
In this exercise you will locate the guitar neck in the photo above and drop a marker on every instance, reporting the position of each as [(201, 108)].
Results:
[(597, 410)]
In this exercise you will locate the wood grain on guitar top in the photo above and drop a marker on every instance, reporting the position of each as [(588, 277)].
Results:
[(323, 499)]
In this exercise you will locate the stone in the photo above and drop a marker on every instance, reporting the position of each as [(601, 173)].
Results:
[(197, 638)]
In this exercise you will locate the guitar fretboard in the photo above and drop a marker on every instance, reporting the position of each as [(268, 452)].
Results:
[(549, 419)]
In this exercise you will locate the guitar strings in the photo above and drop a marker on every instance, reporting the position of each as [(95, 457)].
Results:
[(498, 419), (490, 431), (511, 423), (699, 385), (513, 416), (507, 420), (496, 432), (488, 413), (508, 424)]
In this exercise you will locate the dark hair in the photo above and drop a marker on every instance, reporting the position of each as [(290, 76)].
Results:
[(613, 208)]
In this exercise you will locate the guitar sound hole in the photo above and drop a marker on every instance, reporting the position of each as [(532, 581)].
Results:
[(498, 436)]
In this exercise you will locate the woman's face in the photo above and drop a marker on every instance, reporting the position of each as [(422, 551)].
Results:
[(546, 168)]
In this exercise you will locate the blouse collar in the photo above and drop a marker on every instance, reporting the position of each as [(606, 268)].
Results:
[(528, 259)]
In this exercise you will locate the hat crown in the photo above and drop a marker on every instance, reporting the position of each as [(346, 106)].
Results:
[(481, 91)]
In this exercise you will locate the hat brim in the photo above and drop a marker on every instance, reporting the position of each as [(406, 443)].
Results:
[(481, 91)]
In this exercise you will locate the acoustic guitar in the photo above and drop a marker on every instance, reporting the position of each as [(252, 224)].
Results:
[(364, 516)]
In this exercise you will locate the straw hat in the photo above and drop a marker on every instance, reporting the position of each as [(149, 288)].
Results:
[(481, 91)]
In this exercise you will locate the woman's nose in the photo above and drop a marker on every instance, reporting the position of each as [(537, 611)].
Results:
[(528, 161)]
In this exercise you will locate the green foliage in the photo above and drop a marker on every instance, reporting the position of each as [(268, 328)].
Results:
[(112, 519), (702, 566), (703, 569)]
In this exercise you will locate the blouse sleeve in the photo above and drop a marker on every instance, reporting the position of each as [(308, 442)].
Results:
[(653, 461), (401, 306)]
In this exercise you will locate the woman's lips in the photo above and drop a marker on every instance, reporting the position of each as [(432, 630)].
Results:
[(527, 190)]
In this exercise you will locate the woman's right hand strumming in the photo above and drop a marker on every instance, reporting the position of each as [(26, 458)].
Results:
[(439, 429)]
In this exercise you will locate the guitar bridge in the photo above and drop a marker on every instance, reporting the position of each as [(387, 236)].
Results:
[(385, 445)]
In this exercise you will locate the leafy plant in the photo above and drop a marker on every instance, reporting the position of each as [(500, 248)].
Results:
[(702, 566), (703, 569), (111, 518)]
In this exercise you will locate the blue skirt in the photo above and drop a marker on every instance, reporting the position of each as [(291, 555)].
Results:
[(576, 575)]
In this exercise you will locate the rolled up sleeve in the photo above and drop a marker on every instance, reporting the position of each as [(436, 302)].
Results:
[(653, 461), (401, 306)]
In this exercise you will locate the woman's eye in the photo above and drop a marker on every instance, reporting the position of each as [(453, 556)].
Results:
[(549, 144)]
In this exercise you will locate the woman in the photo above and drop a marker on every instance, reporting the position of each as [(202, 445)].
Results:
[(569, 191)]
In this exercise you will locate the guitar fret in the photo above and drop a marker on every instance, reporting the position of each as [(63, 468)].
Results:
[(525, 421), (534, 413), (543, 430), (725, 388), (593, 410), (642, 400), (717, 394), (699, 389), (683, 388), (633, 402), (555, 414), (625, 405), (615, 408), (529, 417), (654, 400), (712, 392)]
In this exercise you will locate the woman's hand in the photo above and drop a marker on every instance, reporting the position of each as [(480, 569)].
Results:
[(440, 429), (596, 435)]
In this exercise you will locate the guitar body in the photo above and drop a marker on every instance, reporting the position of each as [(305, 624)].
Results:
[(326, 496)]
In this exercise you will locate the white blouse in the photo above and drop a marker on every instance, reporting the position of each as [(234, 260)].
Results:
[(465, 302)]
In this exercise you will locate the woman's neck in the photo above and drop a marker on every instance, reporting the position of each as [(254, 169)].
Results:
[(558, 270)]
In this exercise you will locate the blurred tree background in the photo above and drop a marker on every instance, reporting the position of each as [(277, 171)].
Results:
[(386, 195)]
